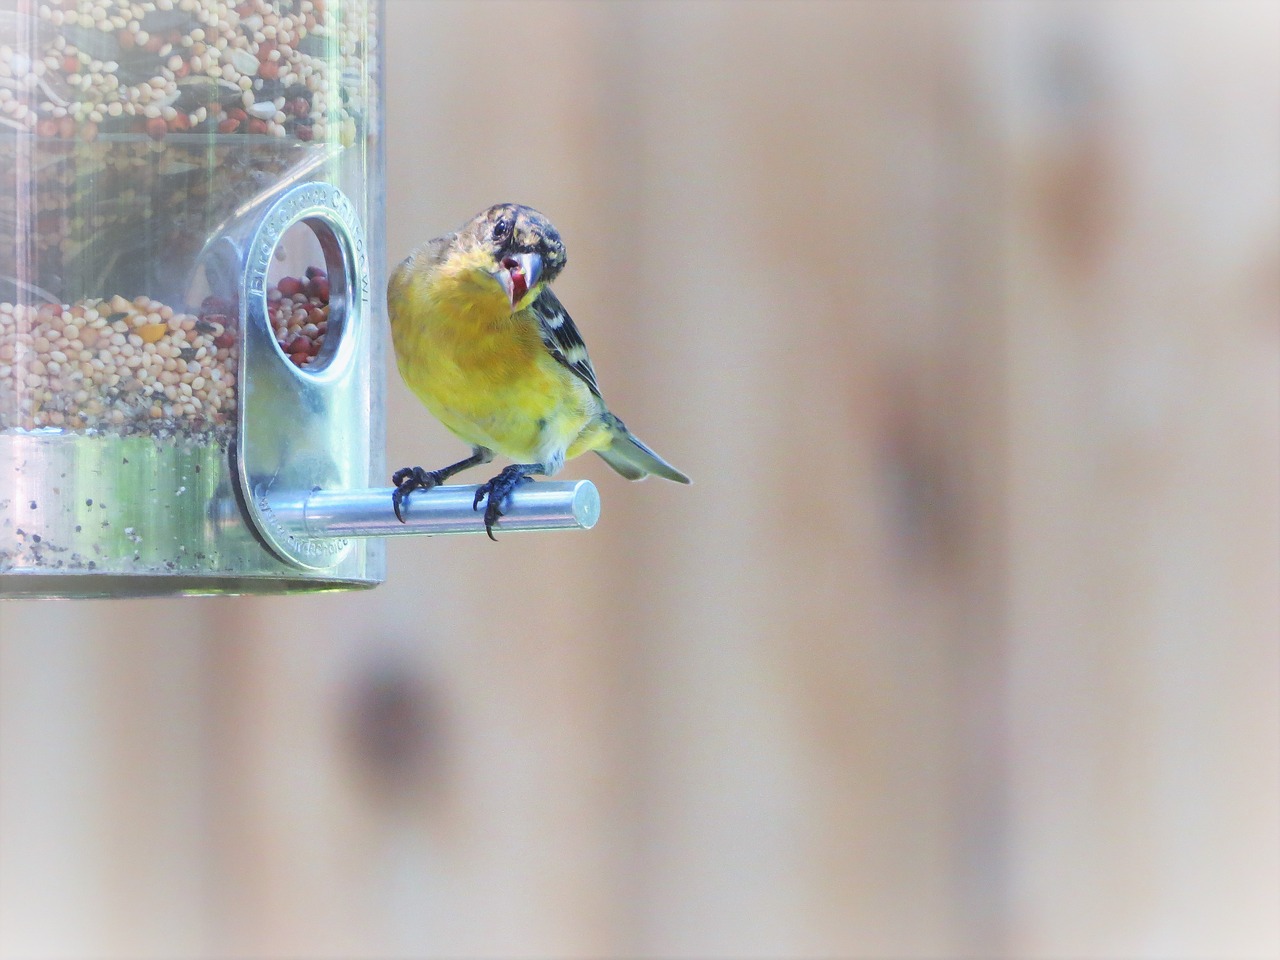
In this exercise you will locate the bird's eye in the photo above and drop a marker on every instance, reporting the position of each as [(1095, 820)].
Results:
[(502, 230)]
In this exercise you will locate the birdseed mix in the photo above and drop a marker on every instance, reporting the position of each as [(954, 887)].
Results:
[(131, 367), (288, 68), (299, 311), (131, 133), (118, 366), (129, 216)]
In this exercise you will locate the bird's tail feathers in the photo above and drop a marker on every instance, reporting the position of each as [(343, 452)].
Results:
[(633, 459)]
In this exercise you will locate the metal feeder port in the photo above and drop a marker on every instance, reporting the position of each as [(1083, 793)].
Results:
[(191, 304)]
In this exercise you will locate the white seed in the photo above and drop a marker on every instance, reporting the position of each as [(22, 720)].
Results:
[(244, 61)]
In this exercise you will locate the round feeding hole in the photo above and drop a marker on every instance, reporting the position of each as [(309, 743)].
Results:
[(306, 293)]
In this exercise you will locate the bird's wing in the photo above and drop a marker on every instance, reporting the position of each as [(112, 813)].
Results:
[(562, 338)]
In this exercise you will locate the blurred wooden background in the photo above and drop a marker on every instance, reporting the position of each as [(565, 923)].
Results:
[(965, 318)]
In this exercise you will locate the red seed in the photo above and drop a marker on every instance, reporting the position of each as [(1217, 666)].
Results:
[(256, 126), (89, 132), (47, 128), (236, 113), (297, 107), (66, 128), (228, 126), (157, 128), (70, 64), (300, 359), (299, 344), (288, 286), (224, 340), (180, 123), (304, 133), (320, 288), (269, 69)]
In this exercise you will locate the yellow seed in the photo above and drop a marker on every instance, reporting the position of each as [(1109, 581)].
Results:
[(151, 332)]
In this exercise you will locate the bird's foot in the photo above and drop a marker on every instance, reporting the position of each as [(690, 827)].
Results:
[(408, 479), (498, 490)]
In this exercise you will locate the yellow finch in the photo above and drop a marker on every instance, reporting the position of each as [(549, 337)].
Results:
[(488, 348)]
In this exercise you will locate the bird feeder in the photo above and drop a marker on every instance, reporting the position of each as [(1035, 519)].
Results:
[(191, 304)]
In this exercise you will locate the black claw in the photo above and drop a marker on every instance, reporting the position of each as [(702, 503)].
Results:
[(492, 512), (408, 479), (498, 490)]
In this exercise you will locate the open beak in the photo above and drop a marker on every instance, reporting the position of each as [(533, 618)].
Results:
[(519, 273)]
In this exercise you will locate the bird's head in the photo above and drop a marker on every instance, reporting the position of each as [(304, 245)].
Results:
[(527, 250)]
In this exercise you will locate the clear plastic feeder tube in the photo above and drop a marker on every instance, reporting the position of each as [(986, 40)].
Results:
[(141, 143)]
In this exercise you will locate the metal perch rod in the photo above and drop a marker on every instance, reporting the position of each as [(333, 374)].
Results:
[(540, 505)]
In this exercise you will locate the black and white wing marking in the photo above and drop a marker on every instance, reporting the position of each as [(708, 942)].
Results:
[(562, 337)]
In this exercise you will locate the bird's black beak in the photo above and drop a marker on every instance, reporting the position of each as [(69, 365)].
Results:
[(518, 273)]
